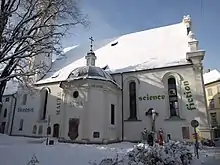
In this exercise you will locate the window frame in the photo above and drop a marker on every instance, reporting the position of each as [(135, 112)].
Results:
[(21, 125), (40, 130), (209, 92), (132, 94), (173, 98), (34, 129), (24, 99), (45, 92), (5, 113), (215, 118), (188, 132), (112, 114), (211, 106)]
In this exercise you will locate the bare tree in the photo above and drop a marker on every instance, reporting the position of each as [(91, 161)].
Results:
[(30, 28)]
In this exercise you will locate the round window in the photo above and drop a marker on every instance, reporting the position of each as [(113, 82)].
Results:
[(75, 94)]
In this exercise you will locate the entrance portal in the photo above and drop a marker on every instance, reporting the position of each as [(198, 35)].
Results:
[(73, 128), (2, 127)]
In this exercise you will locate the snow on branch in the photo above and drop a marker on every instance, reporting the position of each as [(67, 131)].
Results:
[(31, 28)]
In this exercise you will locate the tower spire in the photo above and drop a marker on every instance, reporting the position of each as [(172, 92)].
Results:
[(90, 57)]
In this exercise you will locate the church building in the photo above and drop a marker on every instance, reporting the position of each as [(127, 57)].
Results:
[(112, 91)]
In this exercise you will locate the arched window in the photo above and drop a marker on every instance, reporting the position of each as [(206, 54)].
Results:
[(173, 97), (44, 97), (132, 101), (34, 131)]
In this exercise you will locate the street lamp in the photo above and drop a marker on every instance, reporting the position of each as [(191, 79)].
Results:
[(152, 112)]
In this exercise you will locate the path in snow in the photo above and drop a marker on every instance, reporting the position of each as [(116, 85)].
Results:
[(214, 156)]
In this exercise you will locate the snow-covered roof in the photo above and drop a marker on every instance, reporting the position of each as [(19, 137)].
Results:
[(160, 47), (90, 72), (211, 76), (11, 88)]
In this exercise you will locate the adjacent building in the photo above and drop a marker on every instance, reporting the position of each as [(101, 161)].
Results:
[(109, 93), (212, 88)]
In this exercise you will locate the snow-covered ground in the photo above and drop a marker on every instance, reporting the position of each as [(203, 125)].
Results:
[(19, 151)]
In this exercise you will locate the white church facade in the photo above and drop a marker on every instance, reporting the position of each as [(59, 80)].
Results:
[(104, 95)]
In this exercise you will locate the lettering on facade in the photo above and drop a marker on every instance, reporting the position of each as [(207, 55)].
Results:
[(188, 93), (58, 103), (78, 103), (96, 86), (25, 109), (155, 97)]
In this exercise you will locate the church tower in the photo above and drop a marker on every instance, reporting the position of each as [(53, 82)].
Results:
[(41, 63)]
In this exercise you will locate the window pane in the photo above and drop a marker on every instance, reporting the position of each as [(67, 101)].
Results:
[(40, 130), (112, 114), (211, 104), (213, 118), (24, 101), (21, 125), (5, 113), (34, 129), (132, 100), (185, 132), (209, 92), (171, 81), (173, 98)]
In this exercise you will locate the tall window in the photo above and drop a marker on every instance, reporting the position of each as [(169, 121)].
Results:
[(112, 114), (34, 131), (24, 99), (44, 98), (132, 100), (213, 118), (218, 88), (5, 113), (185, 133), (209, 92), (40, 130), (173, 98), (211, 104), (21, 125)]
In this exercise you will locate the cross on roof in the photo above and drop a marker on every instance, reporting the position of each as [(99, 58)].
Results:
[(91, 43)]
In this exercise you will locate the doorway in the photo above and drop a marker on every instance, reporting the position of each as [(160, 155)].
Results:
[(73, 128), (56, 128), (2, 127)]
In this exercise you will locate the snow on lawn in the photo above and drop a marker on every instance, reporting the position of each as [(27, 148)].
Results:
[(18, 151)]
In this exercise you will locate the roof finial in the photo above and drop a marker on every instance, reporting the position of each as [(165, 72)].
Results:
[(91, 43)]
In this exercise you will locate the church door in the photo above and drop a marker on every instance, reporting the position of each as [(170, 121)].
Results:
[(73, 128), (2, 130), (56, 128)]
